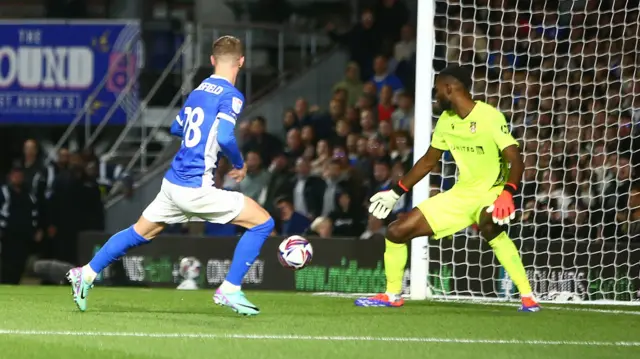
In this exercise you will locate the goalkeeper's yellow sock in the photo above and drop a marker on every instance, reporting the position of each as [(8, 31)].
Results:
[(395, 260), (508, 256)]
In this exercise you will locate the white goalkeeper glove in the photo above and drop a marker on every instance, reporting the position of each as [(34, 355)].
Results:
[(382, 203)]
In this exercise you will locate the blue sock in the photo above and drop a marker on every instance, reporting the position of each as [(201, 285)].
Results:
[(247, 251), (115, 248)]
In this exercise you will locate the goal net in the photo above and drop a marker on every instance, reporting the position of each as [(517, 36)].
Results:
[(565, 75)]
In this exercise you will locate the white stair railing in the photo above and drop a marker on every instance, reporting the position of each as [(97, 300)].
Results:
[(85, 113), (112, 152)]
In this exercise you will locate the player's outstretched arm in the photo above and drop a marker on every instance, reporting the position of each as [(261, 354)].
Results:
[(421, 168), (503, 209), (383, 202)]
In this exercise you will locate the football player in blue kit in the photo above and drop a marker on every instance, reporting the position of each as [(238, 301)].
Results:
[(206, 125)]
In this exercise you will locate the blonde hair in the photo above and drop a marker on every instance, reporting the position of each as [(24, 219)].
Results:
[(227, 47)]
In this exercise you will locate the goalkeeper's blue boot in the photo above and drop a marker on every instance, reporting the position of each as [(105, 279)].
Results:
[(79, 288), (529, 305), (237, 301), (380, 300)]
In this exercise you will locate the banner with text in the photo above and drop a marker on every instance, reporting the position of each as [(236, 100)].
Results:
[(49, 69), (589, 271)]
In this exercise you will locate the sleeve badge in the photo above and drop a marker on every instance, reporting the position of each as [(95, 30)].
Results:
[(236, 105)]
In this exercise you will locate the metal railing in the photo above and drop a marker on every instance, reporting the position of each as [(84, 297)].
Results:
[(260, 39), (85, 114), (186, 45)]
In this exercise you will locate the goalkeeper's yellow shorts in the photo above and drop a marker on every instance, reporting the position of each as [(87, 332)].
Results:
[(456, 209)]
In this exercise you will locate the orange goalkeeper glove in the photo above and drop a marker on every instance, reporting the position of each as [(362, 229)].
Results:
[(503, 210)]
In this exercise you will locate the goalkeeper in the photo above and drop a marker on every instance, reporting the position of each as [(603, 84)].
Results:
[(490, 169)]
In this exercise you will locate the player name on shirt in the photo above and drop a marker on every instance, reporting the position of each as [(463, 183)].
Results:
[(206, 126)]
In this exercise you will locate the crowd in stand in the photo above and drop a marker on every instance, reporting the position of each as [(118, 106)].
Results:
[(44, 205), (565, 79)]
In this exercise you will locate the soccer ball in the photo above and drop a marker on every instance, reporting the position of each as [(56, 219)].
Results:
[(295, 252), (189, 268)]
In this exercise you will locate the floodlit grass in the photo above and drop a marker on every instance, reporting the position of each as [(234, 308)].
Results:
[(43, 322)]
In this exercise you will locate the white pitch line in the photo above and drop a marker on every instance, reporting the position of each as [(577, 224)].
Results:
[(14, 332)]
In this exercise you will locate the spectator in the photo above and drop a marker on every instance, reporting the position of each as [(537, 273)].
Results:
[(244, 132), (66, 210), (306, 188), (279, 181), (290, 120), (362, 41), (347, 219), (93, 217), (324, 153), (291, 222), (385, 132), (353, 118), (36, 176), (341, 95), (368, 124), (255, 183), (403, 116), (406, 47), (261, 142), (324, 124), (367, 103), (294, 144), (18, 226), (333, 175), (363, 162), (352, 83), (377, 149), (402, 149), (352, 147), (343, 129), (62, 161), (391, 15), (302, 111), (381, 177), (385, 106), (382, 76), (370, 89), (308, 136)]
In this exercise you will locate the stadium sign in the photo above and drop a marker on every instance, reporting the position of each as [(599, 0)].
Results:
[(48, 70), (558, 270)]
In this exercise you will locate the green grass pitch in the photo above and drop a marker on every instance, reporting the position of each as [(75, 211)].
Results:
[(42, 322)]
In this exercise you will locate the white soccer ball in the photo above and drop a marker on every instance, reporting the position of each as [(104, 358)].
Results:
[(189, 268), (295, 252)]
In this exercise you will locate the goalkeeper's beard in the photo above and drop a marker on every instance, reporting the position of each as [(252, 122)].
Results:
[(445, 105)]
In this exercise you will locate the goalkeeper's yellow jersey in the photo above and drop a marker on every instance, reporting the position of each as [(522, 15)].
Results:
[(476, 143)]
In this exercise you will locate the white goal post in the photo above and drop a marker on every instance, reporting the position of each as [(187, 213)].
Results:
[(567, 78)]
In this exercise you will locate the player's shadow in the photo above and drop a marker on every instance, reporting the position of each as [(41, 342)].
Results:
[(179, 313)]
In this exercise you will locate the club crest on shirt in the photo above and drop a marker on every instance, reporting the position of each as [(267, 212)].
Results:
[(236, 105), (472, 127)]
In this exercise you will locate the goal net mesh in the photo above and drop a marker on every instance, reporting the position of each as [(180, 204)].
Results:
[(565, 75)]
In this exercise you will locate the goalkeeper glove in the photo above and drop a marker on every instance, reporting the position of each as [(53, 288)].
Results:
[(383, 202), (503, 210)]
